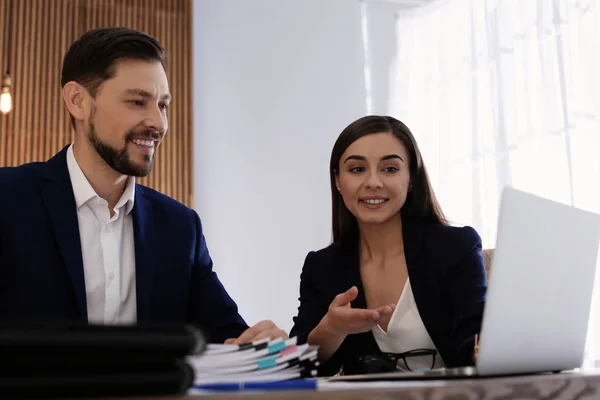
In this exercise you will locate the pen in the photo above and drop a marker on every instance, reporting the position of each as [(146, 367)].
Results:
[(296, 384)]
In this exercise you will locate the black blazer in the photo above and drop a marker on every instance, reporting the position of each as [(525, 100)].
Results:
[(447, 276)]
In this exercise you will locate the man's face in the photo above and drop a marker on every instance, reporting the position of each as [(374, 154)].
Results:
[(128, 117)]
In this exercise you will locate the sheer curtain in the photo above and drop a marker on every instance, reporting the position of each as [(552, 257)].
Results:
[(504, 92)]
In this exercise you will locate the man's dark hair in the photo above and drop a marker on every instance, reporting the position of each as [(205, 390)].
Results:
[(91, 59)]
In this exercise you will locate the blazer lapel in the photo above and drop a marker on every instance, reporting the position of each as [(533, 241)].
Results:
[(57, 193), (412, 232), (420, 276), (145, 251), (350, 275), (412, 235)]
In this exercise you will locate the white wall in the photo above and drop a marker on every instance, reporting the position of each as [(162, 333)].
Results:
[(275, 82)]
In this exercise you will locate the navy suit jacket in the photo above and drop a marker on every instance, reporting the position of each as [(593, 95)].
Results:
[(41, 267), (447, 276)]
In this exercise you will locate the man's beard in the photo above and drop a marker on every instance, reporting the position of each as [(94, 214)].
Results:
[(118, 159)]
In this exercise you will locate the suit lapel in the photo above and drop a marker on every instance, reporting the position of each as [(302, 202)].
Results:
[(412, 233), (145, 253), (350, 274), (57, 193), (420, 276)]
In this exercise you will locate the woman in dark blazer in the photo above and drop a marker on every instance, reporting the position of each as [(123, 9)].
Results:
[(397, 278)]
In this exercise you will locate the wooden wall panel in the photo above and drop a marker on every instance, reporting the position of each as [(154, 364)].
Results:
[(41, 31)]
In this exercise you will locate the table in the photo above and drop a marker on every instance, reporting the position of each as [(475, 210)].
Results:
[(569, 385)]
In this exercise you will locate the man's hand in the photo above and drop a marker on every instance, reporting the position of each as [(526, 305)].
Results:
[(259, 331)]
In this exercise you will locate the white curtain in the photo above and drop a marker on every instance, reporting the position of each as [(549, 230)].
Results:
[(504, 92)]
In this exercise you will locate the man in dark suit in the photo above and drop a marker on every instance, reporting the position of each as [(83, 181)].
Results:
[(79, 239)]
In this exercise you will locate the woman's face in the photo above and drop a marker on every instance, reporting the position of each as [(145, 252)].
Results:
[(373, 177)]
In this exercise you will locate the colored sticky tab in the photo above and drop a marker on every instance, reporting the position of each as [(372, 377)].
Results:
[(267, 363), (289, 350), (275, 347)]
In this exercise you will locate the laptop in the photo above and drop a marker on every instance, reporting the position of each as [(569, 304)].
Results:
[(539, 292)]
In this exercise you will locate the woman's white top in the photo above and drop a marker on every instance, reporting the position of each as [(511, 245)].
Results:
[(406, 332)]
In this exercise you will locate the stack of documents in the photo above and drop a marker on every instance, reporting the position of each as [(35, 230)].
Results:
[(261, 361)]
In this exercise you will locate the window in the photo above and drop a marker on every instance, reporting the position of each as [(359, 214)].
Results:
[(504, 92)]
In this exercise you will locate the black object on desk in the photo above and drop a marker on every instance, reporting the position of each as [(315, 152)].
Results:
[(80, 360)]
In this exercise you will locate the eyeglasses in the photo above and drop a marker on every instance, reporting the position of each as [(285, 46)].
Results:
[(416, 360)]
